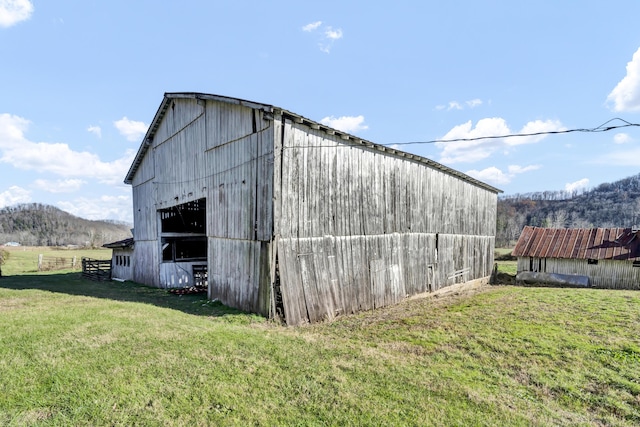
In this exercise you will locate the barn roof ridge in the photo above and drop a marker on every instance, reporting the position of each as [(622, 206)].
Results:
[(271, 109)]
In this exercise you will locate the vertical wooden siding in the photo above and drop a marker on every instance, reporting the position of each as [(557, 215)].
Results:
[(357, 228), (239, 158), (331, 188), (607, 274), (224, 153), (145, 261)]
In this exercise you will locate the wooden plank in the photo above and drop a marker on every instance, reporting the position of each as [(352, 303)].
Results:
[(308, 281), (336, 275), (323, 281), (378, 280), (290, 282)]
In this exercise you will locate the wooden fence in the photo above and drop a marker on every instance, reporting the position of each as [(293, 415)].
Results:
[(96, 269), (50, 263)]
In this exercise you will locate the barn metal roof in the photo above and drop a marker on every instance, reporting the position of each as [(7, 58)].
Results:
[(126, 243), (581, 243), (350, 139)]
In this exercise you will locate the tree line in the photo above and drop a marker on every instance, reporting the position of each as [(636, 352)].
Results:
[(35, 224), (614, 204)]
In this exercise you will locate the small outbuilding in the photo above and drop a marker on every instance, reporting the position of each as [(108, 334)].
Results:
[(284, 216), (595, 257), (122, 252)]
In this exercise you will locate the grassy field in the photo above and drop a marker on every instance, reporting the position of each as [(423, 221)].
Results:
[(75, 352), (24, 259), (507, 267)]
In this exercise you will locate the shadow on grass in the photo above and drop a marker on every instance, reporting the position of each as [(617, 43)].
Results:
[(75, 284)]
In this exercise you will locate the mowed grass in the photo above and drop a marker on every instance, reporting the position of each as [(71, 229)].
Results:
[(507, 267), (24, 259), (75, 352)]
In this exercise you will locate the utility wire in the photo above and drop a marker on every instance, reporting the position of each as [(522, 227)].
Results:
[(602, 128)]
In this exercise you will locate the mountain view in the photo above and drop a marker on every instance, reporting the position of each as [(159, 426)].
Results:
[(614, 204), (35, 224)]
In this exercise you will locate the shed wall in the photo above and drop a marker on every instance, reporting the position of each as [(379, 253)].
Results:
[(609, 274), (121, 265)]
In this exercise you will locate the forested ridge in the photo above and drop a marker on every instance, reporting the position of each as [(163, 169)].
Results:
[(614, 204), (35, 224)]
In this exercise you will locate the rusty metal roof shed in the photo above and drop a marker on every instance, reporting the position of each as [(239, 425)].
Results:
[(582, 243)]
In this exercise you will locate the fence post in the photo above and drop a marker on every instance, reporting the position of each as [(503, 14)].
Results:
[(39, 262), (73, 262)]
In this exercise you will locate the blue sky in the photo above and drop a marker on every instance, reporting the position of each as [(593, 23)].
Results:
[(80, 82)]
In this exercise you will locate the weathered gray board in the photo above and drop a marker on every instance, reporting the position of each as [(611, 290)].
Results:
[(358, 229), (606, 274), (352, 226), (330, 276)]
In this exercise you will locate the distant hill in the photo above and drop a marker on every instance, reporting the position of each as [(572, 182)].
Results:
[(35, 224), (614, 204)]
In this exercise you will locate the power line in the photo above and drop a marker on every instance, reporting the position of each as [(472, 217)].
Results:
[(602, 128)]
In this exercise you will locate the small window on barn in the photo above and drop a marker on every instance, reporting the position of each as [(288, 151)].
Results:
[(591, 261)]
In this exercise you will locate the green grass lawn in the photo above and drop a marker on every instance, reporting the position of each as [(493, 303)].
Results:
[(75, 352), (507, 267), (24, 259)]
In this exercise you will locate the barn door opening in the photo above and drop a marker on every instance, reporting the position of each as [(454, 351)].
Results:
[(183, 244)]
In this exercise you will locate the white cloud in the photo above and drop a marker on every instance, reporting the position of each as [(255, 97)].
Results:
[(625, 97), (14, 195), (516, 169), (312, 26), (12, 129), (112, 207), (56, 158), (496, 176), (59, 186), (455, 105), (332, 34), (581, 184), (622, 138), (536, 126), (471, 151), (328, 35), (130, 129), (14, 11), (350, 124), (491, 174), (478, 149), (95, 130), (474, 103)]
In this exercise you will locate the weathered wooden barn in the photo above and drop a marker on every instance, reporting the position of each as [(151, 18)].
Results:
[(121, 254), (596, 257), (291, 218)]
